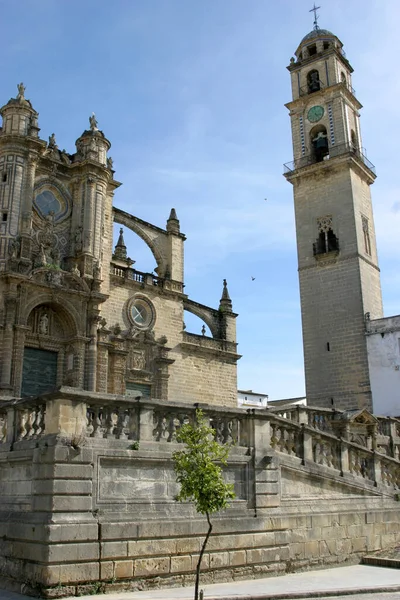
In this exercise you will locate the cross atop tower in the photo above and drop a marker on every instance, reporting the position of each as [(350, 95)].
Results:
[(316, 17)]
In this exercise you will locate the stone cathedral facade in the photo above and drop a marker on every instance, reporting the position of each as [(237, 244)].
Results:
[(73, 309)]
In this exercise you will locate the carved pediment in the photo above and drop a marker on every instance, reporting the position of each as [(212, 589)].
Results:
[(360, 416), (59, 278)]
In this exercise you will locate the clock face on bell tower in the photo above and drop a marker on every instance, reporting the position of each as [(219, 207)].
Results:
[(315, 114)]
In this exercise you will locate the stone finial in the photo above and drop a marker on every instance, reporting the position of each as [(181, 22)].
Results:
[(173, 222), (21, 91), (225, 303), (120, 248), (93, 122)]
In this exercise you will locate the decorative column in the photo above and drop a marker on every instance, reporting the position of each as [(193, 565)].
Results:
[(94, 318), (10, 301), (26, 208), (88, 216), (102, 360)]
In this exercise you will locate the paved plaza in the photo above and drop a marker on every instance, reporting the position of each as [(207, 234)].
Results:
[(370, 582)]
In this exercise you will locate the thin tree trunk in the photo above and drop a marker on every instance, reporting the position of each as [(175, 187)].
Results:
[(196, 588)]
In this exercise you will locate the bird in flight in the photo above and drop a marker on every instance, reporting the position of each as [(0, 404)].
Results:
[(252, 278)]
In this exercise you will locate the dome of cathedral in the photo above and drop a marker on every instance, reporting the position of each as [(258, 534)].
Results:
[(316, 33)]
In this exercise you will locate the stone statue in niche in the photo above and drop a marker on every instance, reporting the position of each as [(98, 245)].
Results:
[(43, 327), (96, 270), (14, 248), (110, 163), (78, 239), (42, 258)]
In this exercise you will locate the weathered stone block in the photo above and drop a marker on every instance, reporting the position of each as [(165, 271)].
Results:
[(118, 531), (114, 549), (321, 520), (106, 570), (68, 574), (62, 503), (374, 543), (151, 566), (191, 545), (123, 569), (358, 544), (151, 547), (311, 549), (205, 561), (219, 559), (181, 564), (267, 501), (237, 557)]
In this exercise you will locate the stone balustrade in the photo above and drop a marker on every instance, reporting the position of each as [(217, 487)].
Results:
[(308, 434)]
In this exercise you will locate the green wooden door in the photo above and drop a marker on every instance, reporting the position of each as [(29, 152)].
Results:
[(144, 388), (39, 373)]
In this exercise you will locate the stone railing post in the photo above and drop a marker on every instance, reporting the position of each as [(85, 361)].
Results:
[(307, 444), (377, 468), (393, 436), (302, 415), (11, 433), (344, 457), (65, 417), (266, 467), (261, 435), (146, 424)]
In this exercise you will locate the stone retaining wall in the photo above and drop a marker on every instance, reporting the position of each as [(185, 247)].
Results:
[(87, 508)]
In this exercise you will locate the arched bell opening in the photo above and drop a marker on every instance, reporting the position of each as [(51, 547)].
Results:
[(319, 143), (343, 78), (313, 81), (52, 354)]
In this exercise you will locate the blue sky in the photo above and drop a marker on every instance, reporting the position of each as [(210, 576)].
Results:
[(191, 96)]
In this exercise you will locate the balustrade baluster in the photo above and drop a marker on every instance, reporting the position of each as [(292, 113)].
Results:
[(122, 419), (89, 422), (173, 421), (21, 428), (36, 422), (97, 422)]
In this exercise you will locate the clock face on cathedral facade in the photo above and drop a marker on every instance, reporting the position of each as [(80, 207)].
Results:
[(315, 114)]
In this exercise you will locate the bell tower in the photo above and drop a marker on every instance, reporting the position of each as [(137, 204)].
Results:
[(336, 247)]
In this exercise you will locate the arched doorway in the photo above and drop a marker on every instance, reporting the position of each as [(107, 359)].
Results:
[(49, 355)]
